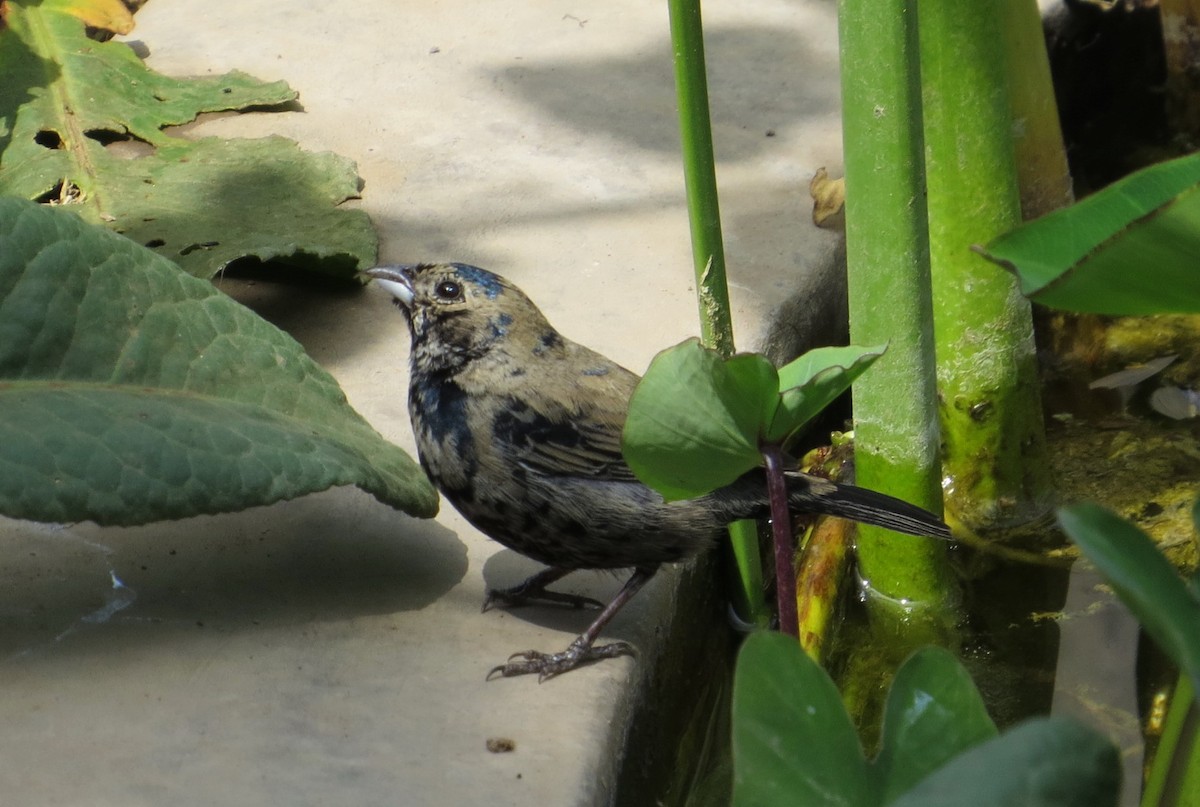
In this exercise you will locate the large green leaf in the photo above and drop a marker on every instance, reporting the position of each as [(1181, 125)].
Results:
[(933, 713), (1128, 249), (1142, 577), (1049, 762), (131, 392), (64, 98), (793, 742)]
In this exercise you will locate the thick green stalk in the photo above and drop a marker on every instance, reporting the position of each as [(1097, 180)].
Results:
[(708, 252), (1042, 172), (994, 456), (895, 416)]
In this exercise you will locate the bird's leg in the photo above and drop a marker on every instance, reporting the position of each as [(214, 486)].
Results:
[(534, 590), (582, 650)]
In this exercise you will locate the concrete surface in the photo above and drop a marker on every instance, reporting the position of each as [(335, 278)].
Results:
[(329, 650)]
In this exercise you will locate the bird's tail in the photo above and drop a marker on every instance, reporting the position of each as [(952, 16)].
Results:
[(812, 494), (816, 495)]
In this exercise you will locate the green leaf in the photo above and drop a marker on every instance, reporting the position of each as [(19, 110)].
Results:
[(1142, 577), (793, 742), (132, 392), (1128, 249), (694, 418), (201, 204), (207, 203), (1048, 762), (933, 713), (812, 382)]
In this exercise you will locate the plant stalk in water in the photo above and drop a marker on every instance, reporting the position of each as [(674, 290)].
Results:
[(994, 449), (887, 244)]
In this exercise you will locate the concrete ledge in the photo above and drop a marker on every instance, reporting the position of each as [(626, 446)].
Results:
[(329, 650)]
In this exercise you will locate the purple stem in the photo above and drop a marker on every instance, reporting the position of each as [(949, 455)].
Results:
[(781, 531)]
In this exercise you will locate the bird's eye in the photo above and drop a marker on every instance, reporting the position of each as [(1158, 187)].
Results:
[(448, 290)]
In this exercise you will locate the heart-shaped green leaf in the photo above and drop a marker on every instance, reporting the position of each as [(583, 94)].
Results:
[(696, 420), (812, 382), (693, 420), (793, 742), (933, 713), (1049, 762)]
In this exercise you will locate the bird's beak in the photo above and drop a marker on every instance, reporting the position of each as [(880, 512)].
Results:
[(396, 279)]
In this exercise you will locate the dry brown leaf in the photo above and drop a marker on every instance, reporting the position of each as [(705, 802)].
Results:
[(829, 200)]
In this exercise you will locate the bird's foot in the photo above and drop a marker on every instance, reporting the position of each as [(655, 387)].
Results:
[(532, 590), (548, 665)]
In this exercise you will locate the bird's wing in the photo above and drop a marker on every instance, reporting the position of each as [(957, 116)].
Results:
[(571, 448), (575, 435)]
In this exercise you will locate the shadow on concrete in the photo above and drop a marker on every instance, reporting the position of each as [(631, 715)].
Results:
[(321, 313), (760, 79), (297, 562), (507, 568)]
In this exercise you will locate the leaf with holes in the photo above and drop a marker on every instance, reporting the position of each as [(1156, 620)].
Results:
[(82, 122)]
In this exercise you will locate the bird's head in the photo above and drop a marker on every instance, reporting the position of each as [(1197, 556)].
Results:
[(457, 312)]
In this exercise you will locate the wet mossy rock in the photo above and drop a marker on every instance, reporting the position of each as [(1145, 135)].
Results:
[(131, 392)]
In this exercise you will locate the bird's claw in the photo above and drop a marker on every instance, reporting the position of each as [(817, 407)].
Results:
[(548, 665)]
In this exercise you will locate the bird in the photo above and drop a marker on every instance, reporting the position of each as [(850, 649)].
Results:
[(520, 430)]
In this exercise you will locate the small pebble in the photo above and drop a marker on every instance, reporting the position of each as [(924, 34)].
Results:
[(501, 745)]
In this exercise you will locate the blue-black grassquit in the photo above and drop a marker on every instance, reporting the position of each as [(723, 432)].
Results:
[(520, 428)]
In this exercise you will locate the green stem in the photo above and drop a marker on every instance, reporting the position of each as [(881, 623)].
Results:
[(700, 175), (708, 253), (895, 416), (994, 455), (750, 601), (1175, 769)]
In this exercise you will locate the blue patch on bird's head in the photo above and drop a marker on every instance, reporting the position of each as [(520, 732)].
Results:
[(491, 284)]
